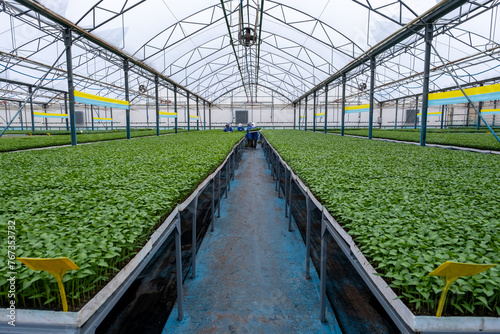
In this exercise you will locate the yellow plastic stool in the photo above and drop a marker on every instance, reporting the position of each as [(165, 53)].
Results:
[(450, 271), (56, 267)]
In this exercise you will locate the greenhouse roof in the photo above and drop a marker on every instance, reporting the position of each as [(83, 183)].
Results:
[(291, 49)]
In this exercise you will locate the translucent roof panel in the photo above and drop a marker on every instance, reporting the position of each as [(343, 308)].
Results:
[(296, 45)]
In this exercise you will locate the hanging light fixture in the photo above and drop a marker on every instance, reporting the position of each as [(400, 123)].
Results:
[(247, 36)]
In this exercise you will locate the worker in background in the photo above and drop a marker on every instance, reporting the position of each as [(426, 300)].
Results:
[(240, 127), (249, 135), (228, 128), (255, 136)]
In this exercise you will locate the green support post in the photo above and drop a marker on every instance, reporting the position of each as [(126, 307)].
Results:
[(416, 114), (294, 114), (197, 113), (92, 115), (305, 114), (188, 118), (425, 93), (65, 110), (396, 115), (157, 106), (342, 126), (480, 108), (125, 72), (175, 107), (71, 94), (442, 116), (314, 111), (372, 98), (21, 116), (300, 105), (326, 108), (30, 90)]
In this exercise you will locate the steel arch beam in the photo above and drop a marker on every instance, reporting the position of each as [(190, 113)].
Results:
[(234, 73), (94, 39), (267, 53), (411, 29), (264, 86)]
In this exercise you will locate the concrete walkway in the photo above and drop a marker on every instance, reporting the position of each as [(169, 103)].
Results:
[(250, 271)]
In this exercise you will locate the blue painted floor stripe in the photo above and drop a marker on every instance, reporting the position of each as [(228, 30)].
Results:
[(251, 270)]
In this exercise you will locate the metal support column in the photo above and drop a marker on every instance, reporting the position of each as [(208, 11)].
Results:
[(372, 99), (218, 193), (210, 116), (494, 107), (396, 115), (30, 91), (425, 92), (175, 107), (275, 171), (69, 71), (416, 113), (402, 113), (92, 115), (290, 204), (233, 165), (197, 113), (480, 108), (111, 114), (287, 172), (213, 205), (125, 72), (278, 178), (305, 114), (314, 111), (326, 108), (227, 178), (272, 108), (188, 118), (204, 117), (273, 168), (157, 106), (300, 105), (21, 115), (178, 267), (193, 243), (322, 294), (294, 114), (308, 237), (442, 116), (342, 126), (147, 113), (380, 114), (45, 111), (65, 111)]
